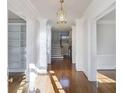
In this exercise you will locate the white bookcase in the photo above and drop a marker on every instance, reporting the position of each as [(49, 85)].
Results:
[(16, 47)]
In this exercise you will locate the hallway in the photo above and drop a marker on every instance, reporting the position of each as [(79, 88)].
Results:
[(42, 33), (63, 78), (70, 81)]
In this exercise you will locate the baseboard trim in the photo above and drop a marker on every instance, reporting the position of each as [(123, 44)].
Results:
[(16, 70), (106, 69)]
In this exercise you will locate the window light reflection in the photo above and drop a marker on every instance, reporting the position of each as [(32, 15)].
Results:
[(58, 84), (104, 79), (22, 86), (61, 91), (55, 78), (51, 72)]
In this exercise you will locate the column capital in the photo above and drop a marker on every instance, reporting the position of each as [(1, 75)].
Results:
[(41, 20)]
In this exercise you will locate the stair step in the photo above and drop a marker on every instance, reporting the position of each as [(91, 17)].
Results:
[(57, 57), (56, 51)]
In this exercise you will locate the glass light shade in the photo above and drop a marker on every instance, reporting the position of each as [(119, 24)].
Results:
[(61, 17)]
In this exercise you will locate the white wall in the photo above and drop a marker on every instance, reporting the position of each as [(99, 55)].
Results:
[(106, 45), (106, 61), (81, 46), (106, 39), (86, 41), (3, 48), (35, 34), (16, 47)]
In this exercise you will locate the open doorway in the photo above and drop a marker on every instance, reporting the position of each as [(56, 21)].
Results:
[(106, 52), (66, 44), (16, 52), (61, 44)]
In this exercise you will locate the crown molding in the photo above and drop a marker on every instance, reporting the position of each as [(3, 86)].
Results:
[(24, 9), (33, 8), (106, 22)]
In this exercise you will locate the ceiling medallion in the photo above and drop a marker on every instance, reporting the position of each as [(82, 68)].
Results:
[(61, 15)]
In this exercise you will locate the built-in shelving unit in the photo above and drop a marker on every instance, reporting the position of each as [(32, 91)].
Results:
[(16, 47)]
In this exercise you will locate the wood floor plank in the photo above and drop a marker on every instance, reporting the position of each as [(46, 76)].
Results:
[(64, 78), (73, 81)]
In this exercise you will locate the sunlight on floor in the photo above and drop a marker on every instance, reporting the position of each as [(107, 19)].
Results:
[(104, 79), (58, 84), (10, 80), (23, 85), (55, 78), (51, 72), (42, 84), (61, 91)]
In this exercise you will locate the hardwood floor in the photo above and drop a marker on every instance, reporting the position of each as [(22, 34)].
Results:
[(109, 73), (106, 81), (17, 83), (63, 78), (70, 81)]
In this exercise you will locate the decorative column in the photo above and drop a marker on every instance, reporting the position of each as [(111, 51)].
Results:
[(48, 44), (92, 65), (42, 60), (30, 27), (79, 46)]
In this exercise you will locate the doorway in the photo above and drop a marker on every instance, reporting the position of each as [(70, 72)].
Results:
[(106, 52), (61, 44), (66, 44), (16, 52)]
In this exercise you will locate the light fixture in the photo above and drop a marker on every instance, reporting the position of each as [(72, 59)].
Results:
[(61, 15)]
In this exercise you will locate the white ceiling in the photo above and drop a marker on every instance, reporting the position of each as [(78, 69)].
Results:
[(49, 8)]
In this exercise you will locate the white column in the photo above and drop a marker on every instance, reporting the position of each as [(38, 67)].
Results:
[(31, 52), (42, 60), (82, 46), (30, 26), (73, 44), (49, 44), (92, 65), (79, 46)]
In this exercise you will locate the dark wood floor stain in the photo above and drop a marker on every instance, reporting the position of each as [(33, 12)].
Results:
[(73, 81), (107, 87), (14, 81)]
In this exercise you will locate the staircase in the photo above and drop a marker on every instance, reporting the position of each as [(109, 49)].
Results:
[(56, 51)]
